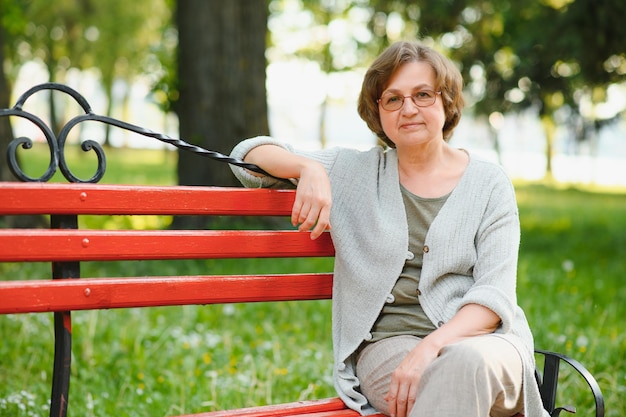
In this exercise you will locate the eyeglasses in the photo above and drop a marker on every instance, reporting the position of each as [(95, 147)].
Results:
[(423, 98)]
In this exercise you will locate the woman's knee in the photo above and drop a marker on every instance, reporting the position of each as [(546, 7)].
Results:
[(479, 358), (462, 359)]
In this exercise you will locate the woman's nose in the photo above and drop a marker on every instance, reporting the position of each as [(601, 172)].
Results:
[(409, 106)]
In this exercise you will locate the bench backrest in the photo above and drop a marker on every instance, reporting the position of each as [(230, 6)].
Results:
[(64, 245)]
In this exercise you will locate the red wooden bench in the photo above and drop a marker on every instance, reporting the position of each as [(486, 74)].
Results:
[(65, 246)]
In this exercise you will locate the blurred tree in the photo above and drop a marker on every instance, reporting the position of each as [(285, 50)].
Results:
[(161, 65), (112, 37), (11, 20), (122, 35), (55, 38), (221, 77), (6, 134), (552, 56), (393, 20)]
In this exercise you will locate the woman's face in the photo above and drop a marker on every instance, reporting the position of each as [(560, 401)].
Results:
[(412, 124)]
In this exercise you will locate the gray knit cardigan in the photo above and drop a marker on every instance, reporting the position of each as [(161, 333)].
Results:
[(472, 253)]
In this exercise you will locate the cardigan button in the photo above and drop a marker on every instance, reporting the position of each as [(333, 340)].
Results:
[(441, 323), (426, 249), (418, 292), (390, 299), (409, 256)]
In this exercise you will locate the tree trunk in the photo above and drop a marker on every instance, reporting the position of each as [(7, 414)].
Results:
[(108, 88), (6, 134), (550, 129), (221, 73)]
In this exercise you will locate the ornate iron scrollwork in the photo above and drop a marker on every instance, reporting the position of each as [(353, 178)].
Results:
[(57, 144)]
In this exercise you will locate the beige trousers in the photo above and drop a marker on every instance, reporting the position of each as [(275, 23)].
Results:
[(477, 377)]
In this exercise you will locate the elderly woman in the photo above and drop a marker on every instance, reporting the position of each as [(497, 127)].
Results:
[(425, 314)]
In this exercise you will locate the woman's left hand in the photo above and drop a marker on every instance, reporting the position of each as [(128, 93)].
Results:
[(406, 378)]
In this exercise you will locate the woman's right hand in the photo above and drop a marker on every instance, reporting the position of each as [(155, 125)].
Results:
[(311, 208)]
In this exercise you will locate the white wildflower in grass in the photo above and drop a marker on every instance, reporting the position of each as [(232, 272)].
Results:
[(266, 346), (228, 310), (568, 265), (582, 342), (211, 340), (22, 402), (191, 340), (90, 402), (212, 374), (176, 332), (244, 379)]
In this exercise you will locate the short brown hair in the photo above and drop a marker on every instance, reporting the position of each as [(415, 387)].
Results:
[(448, 80)]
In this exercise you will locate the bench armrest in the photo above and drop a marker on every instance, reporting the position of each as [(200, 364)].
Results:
[(549, 381)]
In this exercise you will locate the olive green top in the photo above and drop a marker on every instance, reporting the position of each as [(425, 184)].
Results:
[(403, 314)]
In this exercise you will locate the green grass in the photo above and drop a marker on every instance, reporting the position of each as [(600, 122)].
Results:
[(571, 281), (177, 360), (123, 165)]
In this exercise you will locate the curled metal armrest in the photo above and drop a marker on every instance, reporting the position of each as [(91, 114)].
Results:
[(548, 384)]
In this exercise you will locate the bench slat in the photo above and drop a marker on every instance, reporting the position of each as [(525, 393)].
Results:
[(35, 198), (278, 410), (39, 296), (338, 413), (346, 412), (19, 245), (329, 407)]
